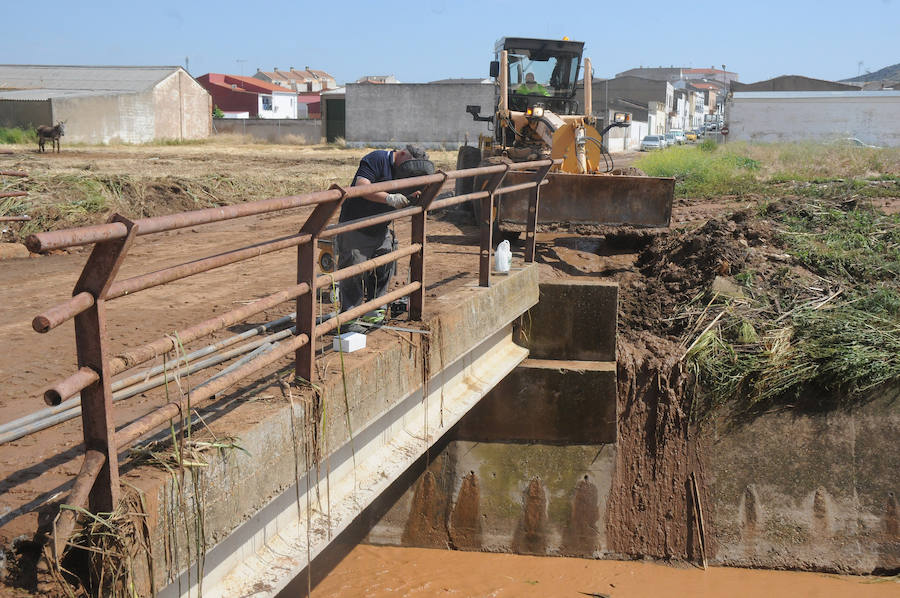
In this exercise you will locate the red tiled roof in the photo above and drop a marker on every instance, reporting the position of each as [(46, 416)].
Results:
[(247, 84)]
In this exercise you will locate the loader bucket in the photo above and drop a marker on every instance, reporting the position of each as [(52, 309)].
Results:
[(590, 199)]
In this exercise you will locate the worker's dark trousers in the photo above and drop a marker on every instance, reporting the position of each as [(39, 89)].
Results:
[(355, 247)]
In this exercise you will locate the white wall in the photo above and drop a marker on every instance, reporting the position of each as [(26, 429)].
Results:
[(626, 138), (284, 105), (872, 116)]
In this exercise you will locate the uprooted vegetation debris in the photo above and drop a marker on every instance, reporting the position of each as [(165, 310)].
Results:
[(794, 303)]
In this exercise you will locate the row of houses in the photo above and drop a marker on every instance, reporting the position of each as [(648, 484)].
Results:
[(140, 104)]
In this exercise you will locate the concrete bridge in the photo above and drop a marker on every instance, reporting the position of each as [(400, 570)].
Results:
[(269, 512)]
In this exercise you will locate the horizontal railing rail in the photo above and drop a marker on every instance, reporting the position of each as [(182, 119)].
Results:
[(89, 388)]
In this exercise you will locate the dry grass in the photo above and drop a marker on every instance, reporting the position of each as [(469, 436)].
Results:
[(84, 184)]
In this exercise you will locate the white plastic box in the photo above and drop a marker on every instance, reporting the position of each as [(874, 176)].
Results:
[(350, 342)]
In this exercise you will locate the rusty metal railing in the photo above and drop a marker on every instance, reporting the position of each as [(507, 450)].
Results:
[(97, 484), (6, 194)]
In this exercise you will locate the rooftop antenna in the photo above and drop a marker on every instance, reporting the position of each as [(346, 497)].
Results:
[(241, 62), (859, 64), (187, 64)]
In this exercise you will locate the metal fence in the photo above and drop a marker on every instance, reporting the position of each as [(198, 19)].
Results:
[(6, 194), (97, 484)]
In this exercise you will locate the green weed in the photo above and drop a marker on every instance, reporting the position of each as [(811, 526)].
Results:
[(808, 170), (862, 245), (17, 136), (820, 346), (703, 172)]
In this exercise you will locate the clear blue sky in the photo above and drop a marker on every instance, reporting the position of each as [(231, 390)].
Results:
[(435, 39)]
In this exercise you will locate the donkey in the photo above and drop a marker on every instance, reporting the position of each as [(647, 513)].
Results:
[(45, 132)]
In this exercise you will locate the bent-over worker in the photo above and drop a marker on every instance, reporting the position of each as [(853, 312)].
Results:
[(357, 246)]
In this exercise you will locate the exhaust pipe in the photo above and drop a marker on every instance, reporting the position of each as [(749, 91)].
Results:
[(504, 84)]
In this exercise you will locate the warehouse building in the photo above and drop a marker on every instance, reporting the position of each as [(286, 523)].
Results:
[(873, 117), (102, 104)]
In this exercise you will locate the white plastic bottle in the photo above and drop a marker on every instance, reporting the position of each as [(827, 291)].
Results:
[(502, 257)]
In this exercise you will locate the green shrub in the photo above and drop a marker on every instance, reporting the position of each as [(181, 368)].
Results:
[(702, 173), (708, 145), (17, 136)]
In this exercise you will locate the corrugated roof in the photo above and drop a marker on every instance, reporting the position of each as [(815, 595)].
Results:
[(46, 94), (95, 79)]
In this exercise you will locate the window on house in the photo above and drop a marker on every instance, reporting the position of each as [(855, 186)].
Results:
[(266, 102)]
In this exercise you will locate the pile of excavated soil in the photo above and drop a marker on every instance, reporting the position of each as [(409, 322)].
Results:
[(679, 267)]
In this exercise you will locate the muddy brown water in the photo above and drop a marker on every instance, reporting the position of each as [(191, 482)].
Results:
[(380, 571)]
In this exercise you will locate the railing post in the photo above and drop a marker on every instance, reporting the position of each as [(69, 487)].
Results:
[(533, 206), (306, 272), (90, 340), (487, 227), (417, 260)]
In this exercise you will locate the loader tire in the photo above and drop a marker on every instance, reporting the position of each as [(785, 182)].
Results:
[(468, 157)]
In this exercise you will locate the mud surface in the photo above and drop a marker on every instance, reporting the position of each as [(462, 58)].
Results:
[(36, 471), (652, 502), (376, 572), (648, 512)]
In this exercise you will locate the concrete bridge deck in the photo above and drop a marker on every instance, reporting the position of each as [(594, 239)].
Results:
[(265, 513)]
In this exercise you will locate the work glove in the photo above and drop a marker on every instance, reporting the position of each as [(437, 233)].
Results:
[(396, 200)]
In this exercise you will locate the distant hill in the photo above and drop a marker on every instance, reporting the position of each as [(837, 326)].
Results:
[(888, 73)]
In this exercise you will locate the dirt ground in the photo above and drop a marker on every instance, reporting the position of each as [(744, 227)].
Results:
[(35, 471)]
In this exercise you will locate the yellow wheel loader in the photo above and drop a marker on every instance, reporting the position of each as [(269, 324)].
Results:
[(537, 116)]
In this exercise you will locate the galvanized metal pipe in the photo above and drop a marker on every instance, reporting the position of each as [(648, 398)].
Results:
[(71, 409), (129, 359), (127, 435), (13, 173), (15, 218), (66, 388), (124, 361), (13, 194), (130, 433)]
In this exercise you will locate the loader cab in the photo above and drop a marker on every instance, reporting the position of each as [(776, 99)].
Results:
[(541, 71)]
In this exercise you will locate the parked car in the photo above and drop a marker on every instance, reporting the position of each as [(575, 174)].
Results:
[(652, 142), (691, 136), (671, 138), (854, 142), (679, 136)]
